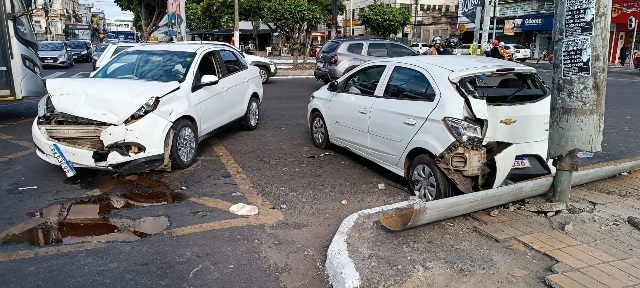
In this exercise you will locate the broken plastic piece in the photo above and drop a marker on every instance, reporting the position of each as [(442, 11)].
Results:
[(243, 209), (381, 186), (345, 202), (584, 154), (30, 187)]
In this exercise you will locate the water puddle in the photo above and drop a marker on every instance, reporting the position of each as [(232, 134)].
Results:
[(85, 219)]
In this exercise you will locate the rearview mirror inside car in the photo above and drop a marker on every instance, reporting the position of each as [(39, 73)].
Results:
[(333, 86), (208, 80)]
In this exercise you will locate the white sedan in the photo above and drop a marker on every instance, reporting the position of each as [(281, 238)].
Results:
[(520, 53), (147, 108), (446, 123)]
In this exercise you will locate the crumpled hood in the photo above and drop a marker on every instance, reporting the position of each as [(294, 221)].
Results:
[(105, 100)]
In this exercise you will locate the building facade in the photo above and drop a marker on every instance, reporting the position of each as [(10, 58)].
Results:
[(59, 12), (620, 33)]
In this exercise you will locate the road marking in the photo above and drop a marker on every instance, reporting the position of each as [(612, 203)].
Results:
[(16, 122), (79, 75), (293, 77), (48, 251), (15, 155), (54, 75), (266, 216)]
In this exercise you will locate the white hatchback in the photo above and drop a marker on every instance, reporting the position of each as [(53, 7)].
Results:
[(520, 53), (446, 123), (147, 108)]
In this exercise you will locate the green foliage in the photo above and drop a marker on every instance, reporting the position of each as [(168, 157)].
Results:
[(292, 17), (150, 13), (383, 20), (216, 14), (325, 6)]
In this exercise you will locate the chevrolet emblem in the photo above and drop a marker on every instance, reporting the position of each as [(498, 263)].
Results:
[(508, 121)]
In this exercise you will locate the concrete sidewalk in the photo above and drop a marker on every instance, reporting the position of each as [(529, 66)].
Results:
[(590, 244)]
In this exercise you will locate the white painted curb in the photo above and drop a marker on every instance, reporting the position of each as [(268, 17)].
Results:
[(341, 270)]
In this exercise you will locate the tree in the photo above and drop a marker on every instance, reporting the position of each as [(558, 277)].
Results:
[(294, 18), (150, 13), (253, 10), (216, 14), (383, 20)]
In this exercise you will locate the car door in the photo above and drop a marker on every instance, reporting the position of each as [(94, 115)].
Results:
[(207, 99), (234, 79), (409, 97), (350, 107), (398, 50)]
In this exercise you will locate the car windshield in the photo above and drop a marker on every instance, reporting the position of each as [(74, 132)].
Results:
[(330, 47), (161, 66), (77, 45), (101, 47), (43, 46)]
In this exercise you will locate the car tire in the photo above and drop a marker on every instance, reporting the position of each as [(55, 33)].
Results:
[(184, 146), (252, 115), (264, 75), (319, 131), (522, 60), (427, 181)]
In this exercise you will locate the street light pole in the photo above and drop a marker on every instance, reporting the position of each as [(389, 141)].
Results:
[(236, 25), (495, 17)]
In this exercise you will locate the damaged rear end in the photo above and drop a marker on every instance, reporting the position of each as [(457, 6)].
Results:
[(503, 135)]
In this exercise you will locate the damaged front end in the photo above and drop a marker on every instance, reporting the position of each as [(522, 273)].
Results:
[(469, 164)]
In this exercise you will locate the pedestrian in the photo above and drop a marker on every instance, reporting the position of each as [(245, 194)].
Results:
[(436, 48), (624, 53), (495, 50), (232, 42)]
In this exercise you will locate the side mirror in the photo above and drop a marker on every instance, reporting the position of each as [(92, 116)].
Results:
[(208, 80), (333, 86)]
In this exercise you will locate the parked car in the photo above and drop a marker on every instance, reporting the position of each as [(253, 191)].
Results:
[(98, 49), (446, 123), (420, 47), (147, 108), (267, 67), (55, 53), (340, 56), (81, 50), (520, 53), (111, 51), (464, 49)]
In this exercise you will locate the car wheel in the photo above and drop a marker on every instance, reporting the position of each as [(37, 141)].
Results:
[(252, 115), (184, 144), (264, 75), (523, 60), (319, 131), (427, 181)]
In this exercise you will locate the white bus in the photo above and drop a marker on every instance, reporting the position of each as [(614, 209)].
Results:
[(20, 69)]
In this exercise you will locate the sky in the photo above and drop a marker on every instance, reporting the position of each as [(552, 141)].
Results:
[(111, 10)]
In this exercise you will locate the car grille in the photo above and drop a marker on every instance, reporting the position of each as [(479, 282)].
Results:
[(82, 136), (44, 59)]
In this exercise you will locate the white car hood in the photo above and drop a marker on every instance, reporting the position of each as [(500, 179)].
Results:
[(106, 100)]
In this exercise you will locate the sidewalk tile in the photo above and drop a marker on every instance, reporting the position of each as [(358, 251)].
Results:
[(618, 274), (584, 257), (561, 267), (613, 251), (563, 238), (535, 243), (513, 231), (626, 267), (584, 280), (494, 232), (635, 262), (549, 240), (561, 281), (602, 277), (566, 258), (595, 253), (526, 226)]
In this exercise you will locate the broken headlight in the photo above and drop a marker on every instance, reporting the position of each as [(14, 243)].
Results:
[(45, 106), (146, 108), (464, 131)]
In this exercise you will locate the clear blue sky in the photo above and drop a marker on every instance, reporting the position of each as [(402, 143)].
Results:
[(111, 10)]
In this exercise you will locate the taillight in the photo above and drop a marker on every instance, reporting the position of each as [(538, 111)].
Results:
[(333, 59), (517, 51)]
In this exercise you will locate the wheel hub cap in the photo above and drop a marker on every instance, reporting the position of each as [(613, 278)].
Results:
[(253, 114), (424, 182), (186, 144), (318, 130)]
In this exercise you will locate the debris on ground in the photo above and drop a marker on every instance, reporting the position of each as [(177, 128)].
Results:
[(328, 153), (30, 187), (183, 188), (568, 226), (493, 213), (345, 202), (243, 209), (634, 221), (545, 207), (282, 207), (381, 186), (551, 214)]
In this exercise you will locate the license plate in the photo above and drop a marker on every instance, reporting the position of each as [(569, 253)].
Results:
[(74, 57), (48, 61), (62, 160), (521, 162)]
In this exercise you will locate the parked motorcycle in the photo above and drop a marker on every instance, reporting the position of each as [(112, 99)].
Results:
[(546, 56)]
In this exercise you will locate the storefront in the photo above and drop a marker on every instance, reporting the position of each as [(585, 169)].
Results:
[(620, 33), (538, 28)]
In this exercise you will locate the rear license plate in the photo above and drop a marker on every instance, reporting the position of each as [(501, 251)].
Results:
[(48, 61), (521, 162), (74, 56), (62, 160)]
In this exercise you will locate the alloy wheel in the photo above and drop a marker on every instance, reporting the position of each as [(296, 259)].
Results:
[(253, 114), (186, 144), (424, 182), (318, 130)]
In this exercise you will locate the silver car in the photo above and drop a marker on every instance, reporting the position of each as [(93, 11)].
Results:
[(55, 53), (340, 56)]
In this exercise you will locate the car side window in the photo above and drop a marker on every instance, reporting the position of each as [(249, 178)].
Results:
[(231, 62), (409, 84), (377, 50), (364, 82), (355, 48), (206, 67), (399, 50)]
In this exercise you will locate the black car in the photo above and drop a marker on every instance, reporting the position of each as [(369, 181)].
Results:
[(81, 50)]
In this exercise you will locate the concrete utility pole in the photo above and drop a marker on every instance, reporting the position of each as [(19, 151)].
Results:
[(580, 34), (476, 30), (334, 18), (485, 24), (236, 24), (415, 21), (494, 8)]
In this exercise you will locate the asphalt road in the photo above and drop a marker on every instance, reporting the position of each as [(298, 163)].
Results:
[(298, 188)]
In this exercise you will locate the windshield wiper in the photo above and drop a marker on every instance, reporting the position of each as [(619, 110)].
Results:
[(516, 92)]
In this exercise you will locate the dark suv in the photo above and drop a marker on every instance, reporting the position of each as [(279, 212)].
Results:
[(339, 56)]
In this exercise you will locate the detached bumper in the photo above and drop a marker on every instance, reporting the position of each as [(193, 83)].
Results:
[(113, 148)]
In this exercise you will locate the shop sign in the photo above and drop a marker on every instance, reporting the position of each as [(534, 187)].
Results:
[(467, 8), (540, 23), (509, 27)]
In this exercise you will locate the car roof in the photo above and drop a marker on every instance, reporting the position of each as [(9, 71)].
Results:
[(188, 47), (361, 38), (458, 64), (51, 42)]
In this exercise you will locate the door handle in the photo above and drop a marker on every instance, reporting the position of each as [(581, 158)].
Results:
[(410, 121), (362, 111)]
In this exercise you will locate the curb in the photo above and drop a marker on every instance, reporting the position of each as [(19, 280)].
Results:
[(341, 270)]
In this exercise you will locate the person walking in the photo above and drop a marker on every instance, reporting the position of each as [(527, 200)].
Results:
[(624, 53)]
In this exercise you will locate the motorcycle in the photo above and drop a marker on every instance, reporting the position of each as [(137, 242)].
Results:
[(546, 56)]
